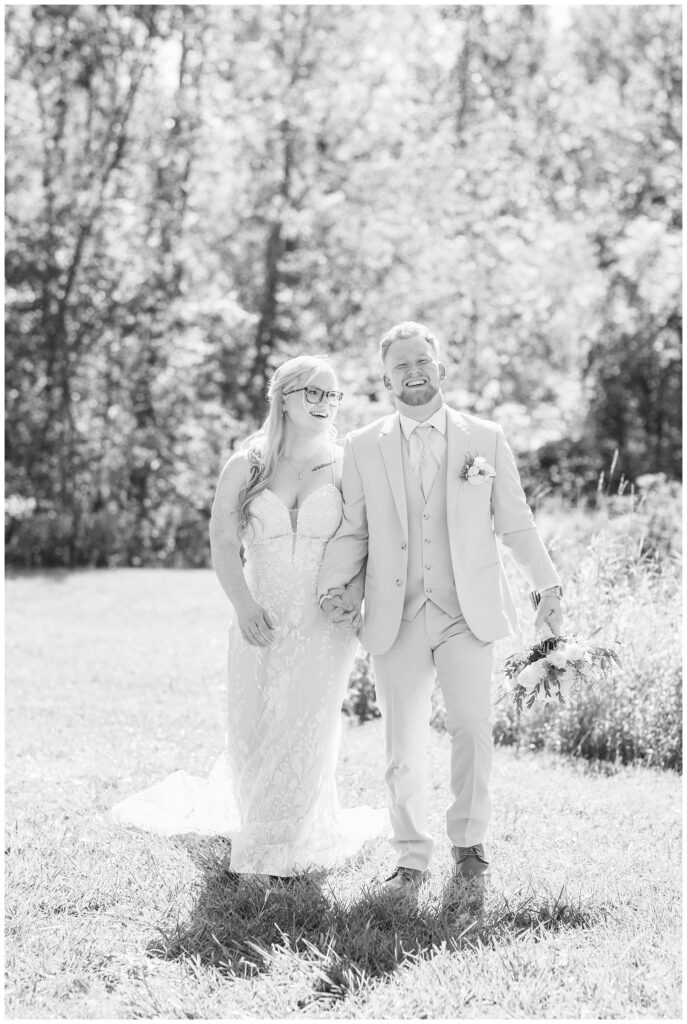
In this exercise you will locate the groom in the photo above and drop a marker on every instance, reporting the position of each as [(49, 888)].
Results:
[(426, 492)]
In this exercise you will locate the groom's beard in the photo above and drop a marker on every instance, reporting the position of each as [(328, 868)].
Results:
[(415, 397)]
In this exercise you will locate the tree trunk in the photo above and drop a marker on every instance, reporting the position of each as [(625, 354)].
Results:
[(265, 335)]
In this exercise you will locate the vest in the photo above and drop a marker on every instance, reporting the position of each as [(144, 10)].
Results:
[(430, 570)]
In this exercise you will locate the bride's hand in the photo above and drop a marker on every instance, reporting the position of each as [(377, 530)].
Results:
[(256, 626)]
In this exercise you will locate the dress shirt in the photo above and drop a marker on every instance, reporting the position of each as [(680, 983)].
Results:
[(436, 420)]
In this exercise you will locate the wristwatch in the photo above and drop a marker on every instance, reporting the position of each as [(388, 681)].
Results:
[(536, 595)]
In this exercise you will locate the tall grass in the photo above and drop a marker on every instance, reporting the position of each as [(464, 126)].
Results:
[(620, 566)]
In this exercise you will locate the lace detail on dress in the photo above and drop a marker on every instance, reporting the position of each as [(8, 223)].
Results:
[(282, 565), (284, 704), (285, 701)]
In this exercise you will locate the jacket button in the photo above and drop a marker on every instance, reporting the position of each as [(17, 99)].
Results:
[(425, 515), (427, 540), (403, 547), (428, 567), (429, 590), (398, 583)]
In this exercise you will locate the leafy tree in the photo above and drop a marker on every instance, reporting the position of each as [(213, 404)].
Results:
[(196, 192)]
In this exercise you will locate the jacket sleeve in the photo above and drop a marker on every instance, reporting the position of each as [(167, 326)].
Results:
[(514, 522), (346, 553)]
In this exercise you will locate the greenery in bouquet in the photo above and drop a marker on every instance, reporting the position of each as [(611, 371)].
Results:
[(551, 668)]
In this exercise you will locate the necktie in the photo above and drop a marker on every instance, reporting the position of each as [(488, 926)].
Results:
[(423, 458)]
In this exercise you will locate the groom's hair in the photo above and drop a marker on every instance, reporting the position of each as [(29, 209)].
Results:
[(407, 329)]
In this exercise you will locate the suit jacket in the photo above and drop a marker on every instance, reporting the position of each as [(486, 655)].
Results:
[(374, 528)]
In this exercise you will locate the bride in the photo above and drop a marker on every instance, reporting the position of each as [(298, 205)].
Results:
[(273, 791)]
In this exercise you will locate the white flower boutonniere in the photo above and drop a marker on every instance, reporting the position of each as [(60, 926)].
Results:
[(477, 470)]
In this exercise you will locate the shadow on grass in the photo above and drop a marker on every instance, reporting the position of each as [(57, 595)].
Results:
[(243, 926)]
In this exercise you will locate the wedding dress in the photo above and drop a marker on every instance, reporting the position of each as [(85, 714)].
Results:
[(273, 789)]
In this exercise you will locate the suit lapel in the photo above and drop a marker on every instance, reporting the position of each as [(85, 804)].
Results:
[(390, 447), (457, 446)]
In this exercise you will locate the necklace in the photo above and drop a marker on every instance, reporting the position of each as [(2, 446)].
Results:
[(295, 467)]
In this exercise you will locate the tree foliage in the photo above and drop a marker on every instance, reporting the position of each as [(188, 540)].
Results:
[(194, 193)]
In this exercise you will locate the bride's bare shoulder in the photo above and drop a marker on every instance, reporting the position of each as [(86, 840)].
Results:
[(237, 470)]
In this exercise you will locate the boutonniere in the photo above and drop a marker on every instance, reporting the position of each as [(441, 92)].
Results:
[(477, 470)]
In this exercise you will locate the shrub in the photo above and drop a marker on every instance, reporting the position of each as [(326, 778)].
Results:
[(361, 699)]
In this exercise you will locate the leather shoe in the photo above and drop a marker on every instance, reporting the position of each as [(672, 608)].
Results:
[(470, 863), (404, 880)]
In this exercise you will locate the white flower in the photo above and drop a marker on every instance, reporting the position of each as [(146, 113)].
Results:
[(575, 652), (476, 470), (558, 657), (531, 675), (571, 665)]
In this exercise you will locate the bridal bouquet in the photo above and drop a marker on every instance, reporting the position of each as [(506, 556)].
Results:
[(551, 668)]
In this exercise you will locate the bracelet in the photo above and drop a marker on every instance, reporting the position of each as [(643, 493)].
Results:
[(355, 586)]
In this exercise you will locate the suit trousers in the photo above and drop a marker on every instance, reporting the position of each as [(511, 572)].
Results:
[(435, 647)]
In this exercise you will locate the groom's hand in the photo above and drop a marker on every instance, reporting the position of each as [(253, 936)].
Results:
[(342, 609), (549, 617), (352, 600), (332, 604), (336, 609)]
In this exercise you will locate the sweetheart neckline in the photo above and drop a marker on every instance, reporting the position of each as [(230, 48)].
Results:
[(299, 508)]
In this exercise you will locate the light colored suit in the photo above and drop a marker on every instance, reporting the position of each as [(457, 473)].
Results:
[(436, 597), (374, 530)]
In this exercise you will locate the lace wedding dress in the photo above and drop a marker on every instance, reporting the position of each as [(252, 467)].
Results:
[(273, 789)]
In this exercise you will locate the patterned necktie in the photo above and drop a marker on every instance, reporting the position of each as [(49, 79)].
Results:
[(423, 458)]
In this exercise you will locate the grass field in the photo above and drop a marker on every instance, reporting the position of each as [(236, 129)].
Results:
[(115, 678)]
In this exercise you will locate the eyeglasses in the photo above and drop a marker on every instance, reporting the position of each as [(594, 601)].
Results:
[(315, 395)]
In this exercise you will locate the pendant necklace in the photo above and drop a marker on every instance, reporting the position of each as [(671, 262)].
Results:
[(295, 467)]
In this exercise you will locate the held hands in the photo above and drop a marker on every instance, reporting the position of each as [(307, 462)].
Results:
[(342, 607), (549, 618), (256, 625)]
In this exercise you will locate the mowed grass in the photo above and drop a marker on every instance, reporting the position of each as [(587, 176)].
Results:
[(115, 678)]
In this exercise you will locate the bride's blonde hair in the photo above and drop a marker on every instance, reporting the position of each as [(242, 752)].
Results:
[(267, 443)]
